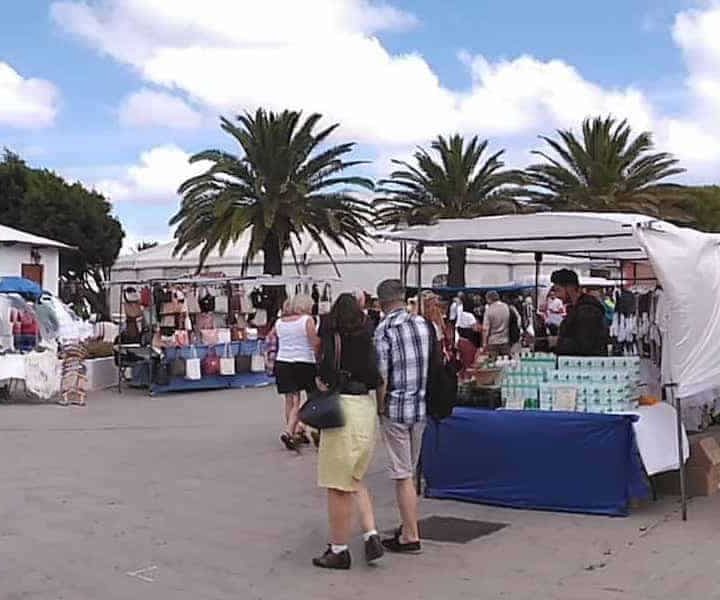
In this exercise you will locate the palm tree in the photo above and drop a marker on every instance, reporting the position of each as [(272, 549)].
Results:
[(462, 184), (282, 185), (606, 170)]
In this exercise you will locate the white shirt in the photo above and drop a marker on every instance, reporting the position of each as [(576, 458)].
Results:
[(455, 309), (555, 311), (293, 341), (466, 320)]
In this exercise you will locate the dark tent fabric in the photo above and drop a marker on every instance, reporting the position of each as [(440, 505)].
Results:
[(572, 462), (20, 285)]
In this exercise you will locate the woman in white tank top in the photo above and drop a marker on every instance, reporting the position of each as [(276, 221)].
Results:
[(295, 364)]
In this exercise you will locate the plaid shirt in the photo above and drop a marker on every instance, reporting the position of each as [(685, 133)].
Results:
[(402, 341)]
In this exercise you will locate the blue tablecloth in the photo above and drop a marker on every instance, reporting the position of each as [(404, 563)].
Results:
[(573, 462)]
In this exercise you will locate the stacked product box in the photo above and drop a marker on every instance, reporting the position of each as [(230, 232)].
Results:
[(583, 384), (600, 384), (523, 377)]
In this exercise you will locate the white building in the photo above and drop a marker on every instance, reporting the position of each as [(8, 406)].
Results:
[(31, 256), (357, 270)]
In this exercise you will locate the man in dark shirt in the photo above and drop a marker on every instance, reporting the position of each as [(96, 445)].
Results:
[(584, 331)]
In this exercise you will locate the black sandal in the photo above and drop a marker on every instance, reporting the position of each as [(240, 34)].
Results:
[(289, 442)]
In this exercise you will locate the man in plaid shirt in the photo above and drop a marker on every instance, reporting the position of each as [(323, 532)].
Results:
[(403, 343)]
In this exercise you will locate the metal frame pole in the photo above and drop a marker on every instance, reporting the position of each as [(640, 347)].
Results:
[(538, 262), (420, 250), (672, 388)]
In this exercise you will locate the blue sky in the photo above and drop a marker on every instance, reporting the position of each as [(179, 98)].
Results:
[(117, 93)]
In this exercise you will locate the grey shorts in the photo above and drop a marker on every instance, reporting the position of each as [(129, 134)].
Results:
[(403, 443)]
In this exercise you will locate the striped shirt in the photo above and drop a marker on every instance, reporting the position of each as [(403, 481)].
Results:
[(402, 341)]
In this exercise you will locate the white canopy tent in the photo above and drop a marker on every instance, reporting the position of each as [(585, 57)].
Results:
[(686, 263)]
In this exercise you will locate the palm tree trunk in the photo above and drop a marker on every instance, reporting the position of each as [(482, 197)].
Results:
[(457, 258), (272, 255), (272, 265)]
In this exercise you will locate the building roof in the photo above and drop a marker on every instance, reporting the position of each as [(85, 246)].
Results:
[(8, 235)]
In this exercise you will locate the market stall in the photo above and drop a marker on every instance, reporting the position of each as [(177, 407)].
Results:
[(684, 261), (200, 333)]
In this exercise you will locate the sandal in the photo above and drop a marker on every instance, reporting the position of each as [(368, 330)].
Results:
[(289, 442)]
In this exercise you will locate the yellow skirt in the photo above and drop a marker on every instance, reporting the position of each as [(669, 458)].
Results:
[(345, 452)]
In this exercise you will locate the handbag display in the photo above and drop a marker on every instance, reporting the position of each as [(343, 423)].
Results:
[(251, 334), (323, 410), (243, 364), (131, 295), (210, 365), (146, 297), (223, 335), (257, 363), (206, 302), (167, 321), (325, 304), (209, 336), (192, 367), (191, 302), (227, 362), (181, 338)]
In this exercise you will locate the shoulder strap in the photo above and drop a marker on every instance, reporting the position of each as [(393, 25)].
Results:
[(338, 351)]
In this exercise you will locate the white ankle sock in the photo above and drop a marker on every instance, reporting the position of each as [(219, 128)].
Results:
[(368, 534), (338, 548)]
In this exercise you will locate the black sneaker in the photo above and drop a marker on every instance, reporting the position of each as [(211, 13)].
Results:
[(394, 544), (373, 549), (330, 560)]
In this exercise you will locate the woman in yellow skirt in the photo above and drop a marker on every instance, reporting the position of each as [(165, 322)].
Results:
[(345, 452)]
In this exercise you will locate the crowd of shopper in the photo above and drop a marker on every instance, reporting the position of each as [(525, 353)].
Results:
[(376, 356)]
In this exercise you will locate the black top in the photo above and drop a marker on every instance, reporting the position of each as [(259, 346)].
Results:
[(584, 330), (357, 359)]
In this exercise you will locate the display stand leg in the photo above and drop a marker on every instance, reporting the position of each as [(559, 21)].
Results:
[(418, 473), (674, 400), (120, 344)]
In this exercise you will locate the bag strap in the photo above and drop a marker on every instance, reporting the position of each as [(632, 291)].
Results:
[(338, 351)]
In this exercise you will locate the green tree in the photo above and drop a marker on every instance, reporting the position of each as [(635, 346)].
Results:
[(607, 170), (462, 183), (285, 182), (703, 206), (40, 202)]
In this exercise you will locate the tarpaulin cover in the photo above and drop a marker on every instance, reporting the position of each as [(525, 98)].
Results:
[(571, 462)]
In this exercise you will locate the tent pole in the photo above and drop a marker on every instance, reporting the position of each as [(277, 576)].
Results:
[(538, 262), (419, 278), (672, 387), (418, 471)]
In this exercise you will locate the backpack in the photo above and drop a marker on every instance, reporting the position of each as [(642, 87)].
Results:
[(513, 327)]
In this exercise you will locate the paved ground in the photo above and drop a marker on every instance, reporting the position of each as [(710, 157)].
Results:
[(190, 497)]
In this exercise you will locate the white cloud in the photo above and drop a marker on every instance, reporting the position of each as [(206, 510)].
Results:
[(26, 103), (323, 55), (149, 108), (154, 179), (320, 55)]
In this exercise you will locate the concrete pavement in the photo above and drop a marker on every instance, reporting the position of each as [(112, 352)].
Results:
[(192, 497)]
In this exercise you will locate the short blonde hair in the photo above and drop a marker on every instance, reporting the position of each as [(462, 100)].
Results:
[(287, 308), (301, 304)]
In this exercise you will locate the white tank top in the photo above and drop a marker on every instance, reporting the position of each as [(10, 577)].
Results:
[(293, 342)]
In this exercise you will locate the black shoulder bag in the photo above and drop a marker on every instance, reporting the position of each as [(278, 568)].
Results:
[(442, 383), (323, 409)]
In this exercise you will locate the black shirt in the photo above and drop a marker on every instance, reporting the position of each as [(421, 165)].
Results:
[(357, 359), (584, 330)]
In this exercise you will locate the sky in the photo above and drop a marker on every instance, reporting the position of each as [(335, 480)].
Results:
[(119, 93)]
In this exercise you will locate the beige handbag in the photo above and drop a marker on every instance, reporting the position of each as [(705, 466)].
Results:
[(192, 367), (227, 362)]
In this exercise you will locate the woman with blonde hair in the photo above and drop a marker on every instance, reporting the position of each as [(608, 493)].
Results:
[(295, 365)]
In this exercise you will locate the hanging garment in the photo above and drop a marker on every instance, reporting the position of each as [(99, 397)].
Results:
[(42, 374)]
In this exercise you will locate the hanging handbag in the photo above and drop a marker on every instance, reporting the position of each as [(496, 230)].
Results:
[(177, 367), (257, 363), (210, 365), (243, 364), (181, 338), (227, 362), (260, 318), (245, 306), (192, 366), (325, 305), (221, 304), (133, 310), (223, 335), (161, 373), (323, 410), (191, 301), (207, 303), (131, 295), (146, 296), (209, 337), (205, 321)]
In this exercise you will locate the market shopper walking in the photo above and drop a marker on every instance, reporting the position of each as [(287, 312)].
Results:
[(403, 343), (345, 452), (496, 326), (295, 364)]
